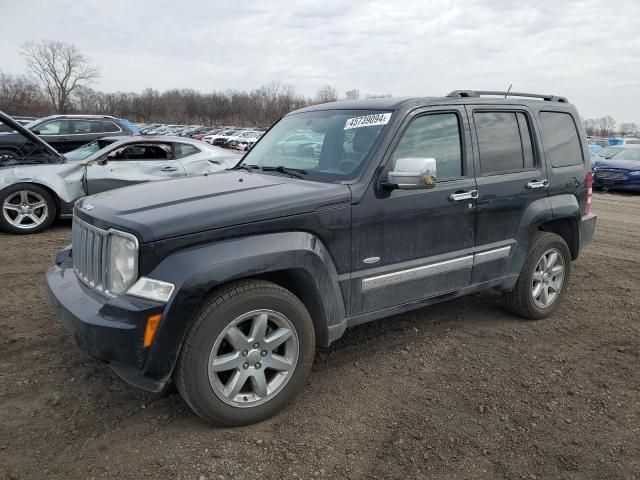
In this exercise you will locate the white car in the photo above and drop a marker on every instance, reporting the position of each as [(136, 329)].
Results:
[(235, 140), (222, 135)]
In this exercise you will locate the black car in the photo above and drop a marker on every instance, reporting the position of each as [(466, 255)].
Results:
[(225, 283), (65, 132)]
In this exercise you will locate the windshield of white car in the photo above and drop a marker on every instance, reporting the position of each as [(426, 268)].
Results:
[(327, 145), (87, 150)]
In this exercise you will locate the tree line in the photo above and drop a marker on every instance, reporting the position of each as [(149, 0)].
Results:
[(60, 77)]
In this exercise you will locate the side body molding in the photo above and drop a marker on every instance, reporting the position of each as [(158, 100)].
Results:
[(198, 270)]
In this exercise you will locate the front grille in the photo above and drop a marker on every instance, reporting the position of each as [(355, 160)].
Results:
[(89, 250), (611, 175)]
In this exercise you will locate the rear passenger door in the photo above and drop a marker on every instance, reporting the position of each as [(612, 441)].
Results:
[(510, 177)]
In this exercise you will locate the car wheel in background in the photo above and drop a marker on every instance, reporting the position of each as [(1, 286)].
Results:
[(26, 208), (247, 354)]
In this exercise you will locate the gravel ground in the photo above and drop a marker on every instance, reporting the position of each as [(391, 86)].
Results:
[(458, 390)]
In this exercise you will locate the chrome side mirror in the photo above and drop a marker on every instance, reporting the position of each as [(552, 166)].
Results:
[(412, 173)]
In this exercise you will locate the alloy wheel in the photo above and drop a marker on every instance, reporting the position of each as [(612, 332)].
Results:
[(548, 278), (253, 358), (25, 209)]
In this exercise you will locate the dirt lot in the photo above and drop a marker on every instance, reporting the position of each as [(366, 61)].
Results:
[(459, 390)]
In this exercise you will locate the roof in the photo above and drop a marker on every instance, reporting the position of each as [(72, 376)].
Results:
[(455, 97), (71, 116)]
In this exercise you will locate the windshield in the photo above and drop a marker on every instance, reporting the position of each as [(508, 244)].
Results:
[(609, 152), (87, 150), (327, 145), (631, 154)]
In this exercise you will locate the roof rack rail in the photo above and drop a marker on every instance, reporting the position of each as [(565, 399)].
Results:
[(478, 93)]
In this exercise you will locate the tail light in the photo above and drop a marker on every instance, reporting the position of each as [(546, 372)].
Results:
[(589, 184)]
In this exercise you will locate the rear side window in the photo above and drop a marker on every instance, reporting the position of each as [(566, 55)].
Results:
[(81, 126), (504, 141), (560, 138), (183, 150), (109, 126)]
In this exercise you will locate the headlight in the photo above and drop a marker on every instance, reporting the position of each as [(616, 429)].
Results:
[(123, 262), (636, 173)]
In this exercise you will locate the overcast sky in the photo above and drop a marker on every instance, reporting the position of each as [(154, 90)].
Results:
[(584, 50)]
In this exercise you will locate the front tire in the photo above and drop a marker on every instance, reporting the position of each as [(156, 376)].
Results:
[(543, 279), (26, 208), (247, 354)]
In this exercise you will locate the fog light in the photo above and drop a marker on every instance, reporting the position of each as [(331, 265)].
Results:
[(152, 289)]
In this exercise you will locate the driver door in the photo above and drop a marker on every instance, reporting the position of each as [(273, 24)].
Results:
[(131, 164), (411, 245)]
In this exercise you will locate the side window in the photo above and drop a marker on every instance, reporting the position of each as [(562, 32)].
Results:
[(159, 151), (434, 136), (184, 150), (560, 138), (80, 127), (109, 127), (504, 142), (54, 127)]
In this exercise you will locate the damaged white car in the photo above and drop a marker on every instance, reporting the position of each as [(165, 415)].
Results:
[(42, 184)]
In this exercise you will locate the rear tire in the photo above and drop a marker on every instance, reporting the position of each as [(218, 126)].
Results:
[(230, 371), (543, 279), (26, 208)]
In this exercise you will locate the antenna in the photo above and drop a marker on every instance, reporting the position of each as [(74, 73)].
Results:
[(508, 90)]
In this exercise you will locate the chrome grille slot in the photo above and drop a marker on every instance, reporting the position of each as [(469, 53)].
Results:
[(90, 254)]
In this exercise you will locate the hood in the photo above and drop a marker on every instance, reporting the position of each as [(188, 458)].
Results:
[(170, 208), (618, 164), (7, 120)]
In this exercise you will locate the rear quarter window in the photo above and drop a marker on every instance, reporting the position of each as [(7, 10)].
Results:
[(560, 139)]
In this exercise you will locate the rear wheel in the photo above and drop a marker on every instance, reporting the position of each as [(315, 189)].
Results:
[(543, 279), (247, 354), (26, 209)]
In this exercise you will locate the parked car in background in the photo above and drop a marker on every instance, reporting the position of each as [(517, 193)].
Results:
[(233, 141), (219, 137), (213, 131), (36, 189), (65, 132), (620, 172), (247, 143)]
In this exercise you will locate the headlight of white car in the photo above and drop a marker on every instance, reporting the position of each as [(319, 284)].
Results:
[(123, 262)]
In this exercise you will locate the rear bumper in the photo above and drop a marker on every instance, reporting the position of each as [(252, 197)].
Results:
[(587, 229), (109, 329)]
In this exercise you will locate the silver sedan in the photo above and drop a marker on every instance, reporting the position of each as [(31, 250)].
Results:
[(35, 190)]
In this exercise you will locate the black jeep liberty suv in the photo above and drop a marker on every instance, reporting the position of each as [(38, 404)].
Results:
[(342, 213)]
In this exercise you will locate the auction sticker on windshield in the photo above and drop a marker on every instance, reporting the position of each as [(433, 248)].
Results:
[(368, 121)]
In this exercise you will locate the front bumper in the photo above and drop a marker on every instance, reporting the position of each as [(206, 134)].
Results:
[(109, 329)]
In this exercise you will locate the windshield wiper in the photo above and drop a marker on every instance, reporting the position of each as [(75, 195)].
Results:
[(293, 172), (247, 167)]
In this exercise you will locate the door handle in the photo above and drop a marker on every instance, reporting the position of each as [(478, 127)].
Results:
[(538, 184), (460, 196), (169, 169)]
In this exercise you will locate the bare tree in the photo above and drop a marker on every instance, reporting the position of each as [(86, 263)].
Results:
[(590, 126), (326, 94), (352, 94), (628, 128), (20, 95), (60, 68), (605, 126)]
